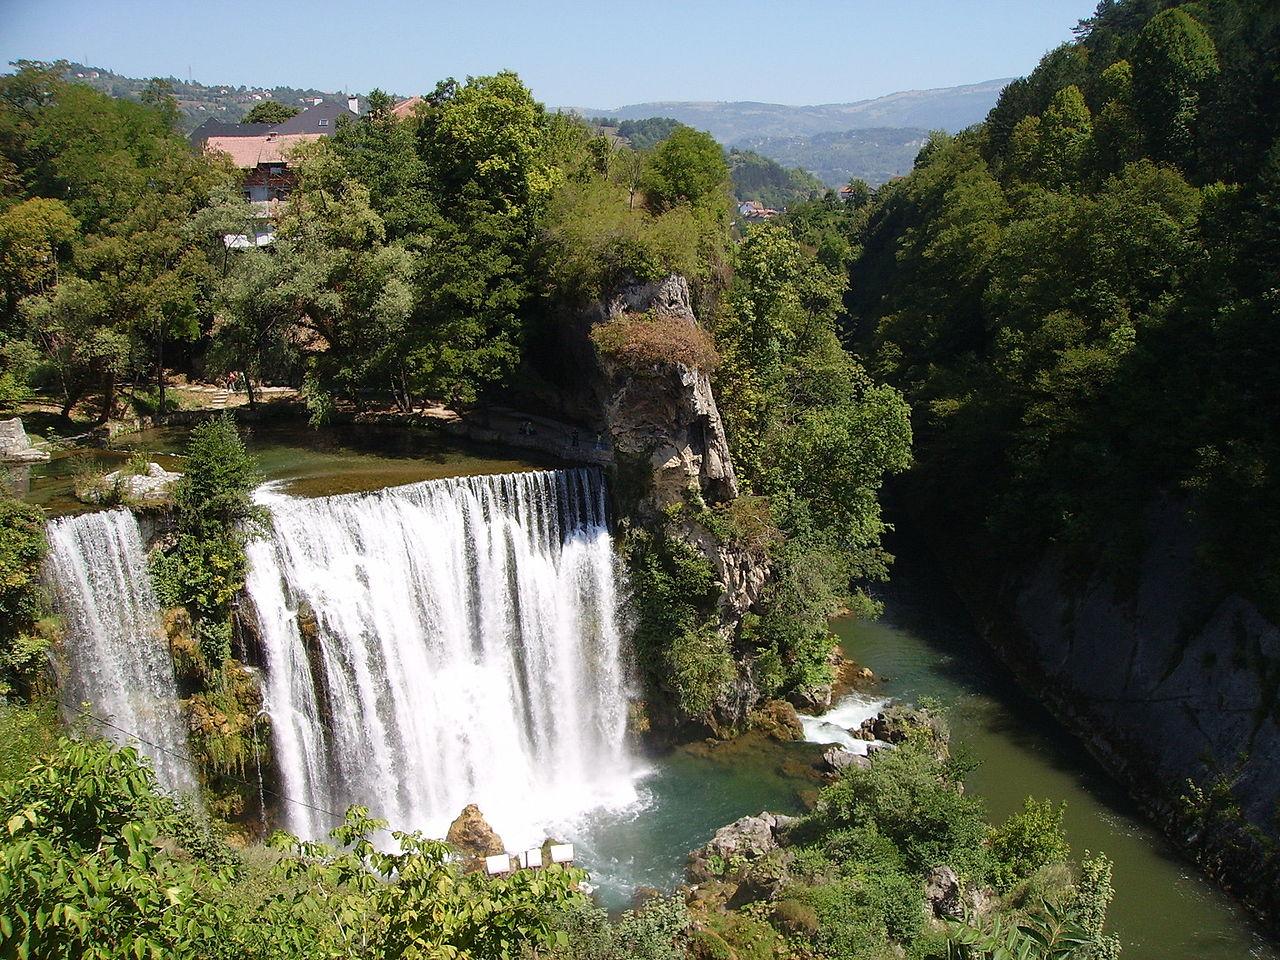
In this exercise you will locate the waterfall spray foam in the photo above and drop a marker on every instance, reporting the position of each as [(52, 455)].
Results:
[(461, 645), (116, 656)]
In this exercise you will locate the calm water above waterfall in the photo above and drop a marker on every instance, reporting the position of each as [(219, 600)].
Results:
[(116, 655), (459, 644)]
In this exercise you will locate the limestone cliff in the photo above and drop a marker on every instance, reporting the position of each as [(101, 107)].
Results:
[(668, 441), (1172, 681), (673, 469)]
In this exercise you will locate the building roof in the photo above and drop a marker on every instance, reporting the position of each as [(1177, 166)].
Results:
[(247, 152), (320, 119), (220, 128), (404, 109)]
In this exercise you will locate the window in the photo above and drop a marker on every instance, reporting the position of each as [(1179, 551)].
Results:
[(322, 123)]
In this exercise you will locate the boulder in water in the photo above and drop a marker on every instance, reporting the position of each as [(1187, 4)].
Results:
[(151, 488), (15, 445), (473, 839), (838, 759), (778, 719)]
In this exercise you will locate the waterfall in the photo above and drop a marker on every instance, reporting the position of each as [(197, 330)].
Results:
[(458, 643), (117, 658)]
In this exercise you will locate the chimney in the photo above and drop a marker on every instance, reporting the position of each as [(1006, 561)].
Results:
[(353, 104)]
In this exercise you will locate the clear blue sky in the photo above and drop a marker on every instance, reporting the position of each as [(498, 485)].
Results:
[(571, 52)]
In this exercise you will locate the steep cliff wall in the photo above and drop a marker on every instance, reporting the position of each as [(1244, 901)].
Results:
[(1172, 681), (673, 469)]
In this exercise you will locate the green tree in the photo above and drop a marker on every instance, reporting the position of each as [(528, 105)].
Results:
[(1066, 130), (270, 111), (22, 599), (687, 167), (1173, 60)]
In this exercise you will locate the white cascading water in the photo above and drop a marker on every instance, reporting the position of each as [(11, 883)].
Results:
[(466, 650), (116, 656)]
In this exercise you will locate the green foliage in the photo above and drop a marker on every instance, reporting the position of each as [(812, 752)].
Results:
[(599, 240), (81, 869), (1072, 930), (22, 599), (102, 271), (687, 167), (27, 731), (677, 641), (214, 517), (756, 177), (95, 863), (1027, 841), (270, 111), (910, 798), (1069, 295)]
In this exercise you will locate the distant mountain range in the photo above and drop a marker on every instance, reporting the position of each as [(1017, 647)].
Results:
[(873, 139), (734, 122)]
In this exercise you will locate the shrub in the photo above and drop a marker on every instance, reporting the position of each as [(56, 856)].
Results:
[(22, 600), (1028, 841), (639, 340), (909, 798), (795, 918)]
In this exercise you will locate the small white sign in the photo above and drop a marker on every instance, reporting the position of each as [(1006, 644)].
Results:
[(531, 858), (562, 853), (499, 863)]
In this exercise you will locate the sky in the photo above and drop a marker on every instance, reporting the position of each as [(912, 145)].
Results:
[(605, 53)]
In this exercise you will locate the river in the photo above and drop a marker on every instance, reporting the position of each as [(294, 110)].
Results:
[(921, 647)]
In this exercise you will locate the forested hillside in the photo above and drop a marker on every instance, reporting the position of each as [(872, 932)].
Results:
[(1079, 295), (1079, 299)]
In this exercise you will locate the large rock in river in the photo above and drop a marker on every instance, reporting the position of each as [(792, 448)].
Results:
[(15, 445), (472, 837)]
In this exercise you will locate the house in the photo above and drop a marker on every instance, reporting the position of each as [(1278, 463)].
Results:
[(755, 211), (262, 151), (405, 108)]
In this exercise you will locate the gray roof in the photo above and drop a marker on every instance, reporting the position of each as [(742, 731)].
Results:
[(322, 118)]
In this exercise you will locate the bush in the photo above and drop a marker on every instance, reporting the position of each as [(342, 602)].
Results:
[(22, 599), (1027, 841), (909, 797), (795, 918), (26, 732), (636, 341)]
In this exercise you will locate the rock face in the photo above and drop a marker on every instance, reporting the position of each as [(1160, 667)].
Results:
[(668, 438), (15, 445), (942, 891), (150, 489), (667, 416), (778, 719), (1173, 678), (472, 837)]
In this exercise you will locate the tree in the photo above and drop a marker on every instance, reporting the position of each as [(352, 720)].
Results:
[(35, 238), (270, 111), (687, 167), (1066, 128), (1173, 61)]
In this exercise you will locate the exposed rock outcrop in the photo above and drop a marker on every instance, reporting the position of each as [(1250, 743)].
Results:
[(1171, 680), (778, 719), (16, 446), (672, 461), (150, 489), (473, 839), (666, 416)]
